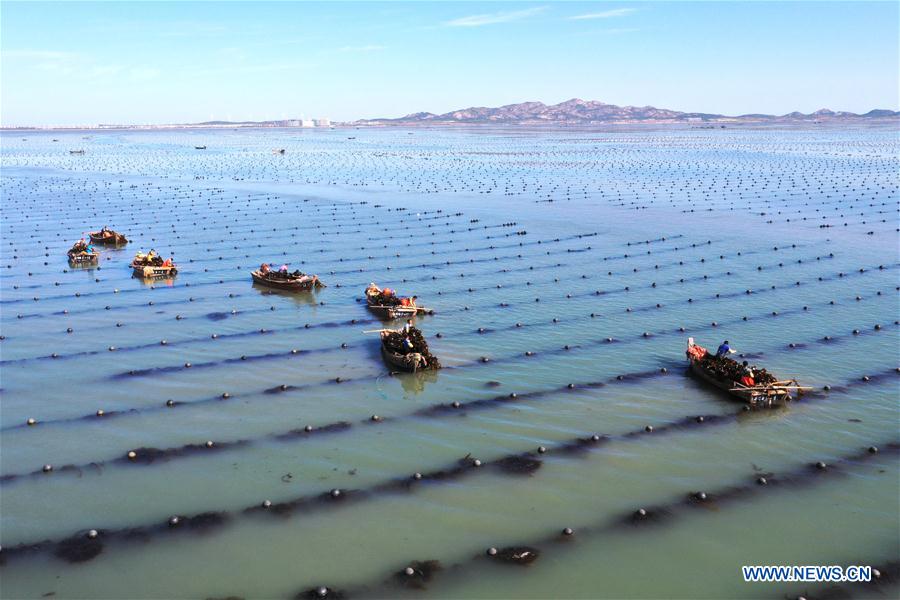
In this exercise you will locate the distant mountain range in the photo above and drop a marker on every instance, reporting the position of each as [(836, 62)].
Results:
[(587, 112)]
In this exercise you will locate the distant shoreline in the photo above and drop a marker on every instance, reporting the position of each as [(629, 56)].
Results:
[(714, 125)]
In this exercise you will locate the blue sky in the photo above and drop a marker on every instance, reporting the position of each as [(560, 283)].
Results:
[(129, 62)]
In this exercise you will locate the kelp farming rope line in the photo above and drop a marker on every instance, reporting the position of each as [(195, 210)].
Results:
[(650, 518), (516, 357), (697, 278), (85, 546)]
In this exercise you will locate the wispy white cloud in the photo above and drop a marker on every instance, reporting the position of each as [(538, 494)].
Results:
[(606, 14), (369, 48), (201, 71), (72, 64), (497, 17)]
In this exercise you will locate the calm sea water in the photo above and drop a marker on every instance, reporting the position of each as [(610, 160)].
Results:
[(566, 270)]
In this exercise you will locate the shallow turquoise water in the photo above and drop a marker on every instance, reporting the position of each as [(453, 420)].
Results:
[(522, 241)]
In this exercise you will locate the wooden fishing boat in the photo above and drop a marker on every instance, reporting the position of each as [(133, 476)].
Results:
[(291, 283), (153, 271), (83, 257), (389, 313), (199, 147), (375, 302), (411, 362), (771, 394), (108, 237), (76, 151), (397, 357)]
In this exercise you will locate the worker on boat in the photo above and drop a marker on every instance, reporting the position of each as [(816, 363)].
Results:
[(696, 351), (724, 350), (89, 248), (408, 326), (412, 301), (283, 271), (747, 378), (407, 344), (168, 262), (264, 268)]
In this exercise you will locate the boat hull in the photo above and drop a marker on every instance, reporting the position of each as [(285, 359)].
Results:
[(117, 239), (390, 313), (83, 258), (402, 362), (772, 397), (303, 284), (148, 272)]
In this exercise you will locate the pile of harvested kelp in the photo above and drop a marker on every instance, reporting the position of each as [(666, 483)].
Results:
[(726, 369), (384, 299), (393, 341)]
